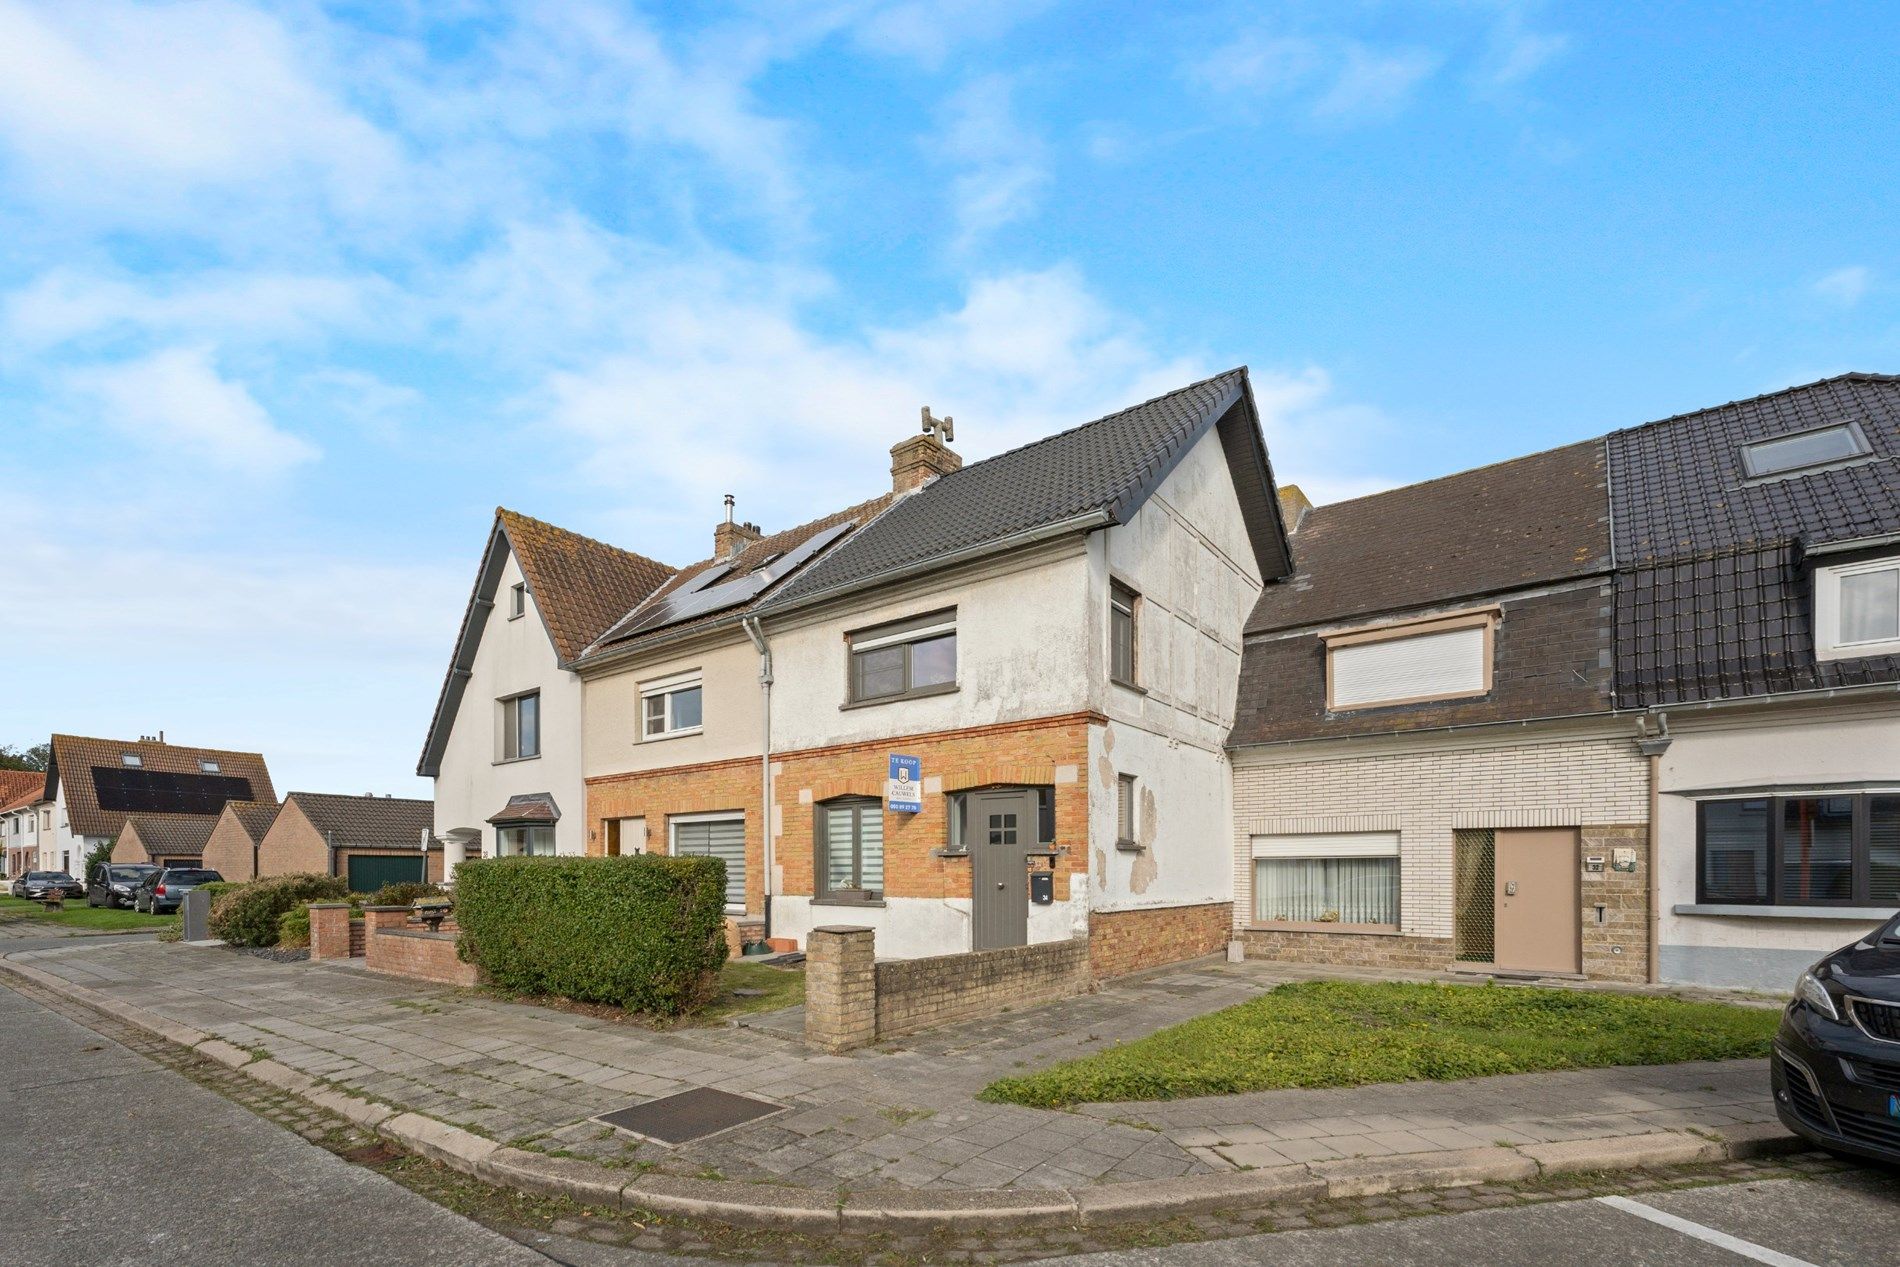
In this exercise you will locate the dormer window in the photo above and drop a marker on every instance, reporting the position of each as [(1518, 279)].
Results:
[(1804, 451), (132, 759), (1857, 609), (517, 600)]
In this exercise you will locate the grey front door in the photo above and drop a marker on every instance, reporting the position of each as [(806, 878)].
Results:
[(999, 829)]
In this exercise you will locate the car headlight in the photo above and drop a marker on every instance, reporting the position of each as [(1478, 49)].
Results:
[(1810, 991)]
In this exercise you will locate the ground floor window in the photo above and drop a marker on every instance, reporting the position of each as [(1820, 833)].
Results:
[(1349, 879), (849, 850), (524, 840), (1799, 850), (714, 836)]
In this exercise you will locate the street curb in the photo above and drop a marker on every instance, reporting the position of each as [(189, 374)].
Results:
[(995, 1209)]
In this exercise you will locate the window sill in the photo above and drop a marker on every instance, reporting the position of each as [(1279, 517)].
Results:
[(1130, 846), (515, 760), (1357, 930), (949, 853), (848, 901), (1128, 686), (673, 734), (1856, 914), (926, 693)]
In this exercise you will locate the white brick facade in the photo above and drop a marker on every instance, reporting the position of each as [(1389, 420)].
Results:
[(1424, 789)]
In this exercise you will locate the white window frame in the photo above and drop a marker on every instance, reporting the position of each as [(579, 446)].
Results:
[(1827, 611), (664, 690), (675, 821), (507, 733), (1484, 620), (1127, 810), (517, 600), (1311, 846)]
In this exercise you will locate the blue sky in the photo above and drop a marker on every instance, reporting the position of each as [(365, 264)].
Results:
[(291, 296)]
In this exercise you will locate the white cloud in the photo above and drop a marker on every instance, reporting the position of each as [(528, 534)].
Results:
[(927, 30), (1260, 63), (1844, 286), (1373, 83), (176, 401), (1335, 80), (1002, 163)]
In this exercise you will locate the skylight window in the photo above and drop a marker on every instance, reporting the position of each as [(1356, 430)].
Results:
[(131, 759), (209, 767), (1804, 450)]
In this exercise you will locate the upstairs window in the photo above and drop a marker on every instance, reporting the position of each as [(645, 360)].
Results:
[(1121, 633), (1441, 659), (517, 600), (674, 706), (905, 658), (521, 727), (1857, 609), (1804, 450)]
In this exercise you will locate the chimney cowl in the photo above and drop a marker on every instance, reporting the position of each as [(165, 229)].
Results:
[(918, 459)]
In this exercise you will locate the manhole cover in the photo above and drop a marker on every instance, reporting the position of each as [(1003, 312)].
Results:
[(695, 1114)]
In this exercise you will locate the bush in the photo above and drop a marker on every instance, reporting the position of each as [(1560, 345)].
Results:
[(247, 914), (646, 932), (403, 893), (293, 929)]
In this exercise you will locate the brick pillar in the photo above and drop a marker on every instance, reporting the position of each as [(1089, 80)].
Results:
[(329, 930), (840, 988), (379, 918)]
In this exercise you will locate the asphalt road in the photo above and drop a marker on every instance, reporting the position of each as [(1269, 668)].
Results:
[(108, 1159)]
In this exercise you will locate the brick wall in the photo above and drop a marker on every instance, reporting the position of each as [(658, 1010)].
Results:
[(230, 851), (1128, 941), (293, 846), (1369, 950), (1616, 949), (920, 994), (418, 953), (1552, 660), (697, 789)]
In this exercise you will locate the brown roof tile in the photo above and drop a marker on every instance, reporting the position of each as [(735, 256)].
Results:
[(366, 821), (171, 835), (580, 585), (1523, 522), (255, 817), (20, 787), (76, 756)]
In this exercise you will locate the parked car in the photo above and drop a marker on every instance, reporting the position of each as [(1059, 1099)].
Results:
[(1836, 1063), (37, 884), (162, 890), (111, 883)]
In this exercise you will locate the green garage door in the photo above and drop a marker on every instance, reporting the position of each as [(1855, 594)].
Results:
[(370, 872)]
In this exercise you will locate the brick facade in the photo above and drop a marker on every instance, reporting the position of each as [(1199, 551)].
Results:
[(1365, 950), (1121, 942), (414, 952), (657, 795)]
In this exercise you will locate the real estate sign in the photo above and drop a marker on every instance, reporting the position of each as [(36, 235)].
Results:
[(904, 789)]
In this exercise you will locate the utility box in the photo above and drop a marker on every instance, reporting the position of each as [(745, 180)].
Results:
[(197, 911), (1042, 888)]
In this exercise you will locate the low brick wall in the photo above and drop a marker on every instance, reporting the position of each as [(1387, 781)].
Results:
[(851, 1000), (415, 952), (1121, 942), (331, 931), (1361, 950)]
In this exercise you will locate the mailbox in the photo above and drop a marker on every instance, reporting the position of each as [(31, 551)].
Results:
[(1042, 887)]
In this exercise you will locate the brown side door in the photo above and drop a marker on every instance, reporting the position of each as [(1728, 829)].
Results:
[(1538, 922)]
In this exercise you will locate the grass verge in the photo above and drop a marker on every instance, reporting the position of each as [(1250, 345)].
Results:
[(78, 915), (1346, 1034)]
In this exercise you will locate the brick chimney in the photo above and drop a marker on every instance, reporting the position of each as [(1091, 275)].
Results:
[(1293, 507), (921, 458), (729, 538)]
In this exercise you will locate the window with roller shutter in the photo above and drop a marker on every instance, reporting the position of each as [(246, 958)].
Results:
[(715, 836), (1444, 658)]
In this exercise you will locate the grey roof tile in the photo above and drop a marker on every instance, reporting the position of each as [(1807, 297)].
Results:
[(374, 821)]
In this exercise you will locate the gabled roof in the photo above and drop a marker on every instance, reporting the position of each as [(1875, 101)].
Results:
[(653, 620), (1099, 473), (380, 822), (252, 817), (580, 586), (1528, 521), (20, 787), (85, 767), (170, 835), (1712, 590)]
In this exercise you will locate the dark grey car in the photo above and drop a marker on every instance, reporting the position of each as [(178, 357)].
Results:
[(162, 891), (112, 884), (37, 884)]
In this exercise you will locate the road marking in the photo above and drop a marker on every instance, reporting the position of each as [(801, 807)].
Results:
[(1733, 1244)]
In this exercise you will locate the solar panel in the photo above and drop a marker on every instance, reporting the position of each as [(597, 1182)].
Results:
[(136, 791), (700, 598)]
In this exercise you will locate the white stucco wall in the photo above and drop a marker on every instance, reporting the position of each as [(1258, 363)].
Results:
[(62, 849), (515, 655), (1786, 750), (916, 927), (733, 711)]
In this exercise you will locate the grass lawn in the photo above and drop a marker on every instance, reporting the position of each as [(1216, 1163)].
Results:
[(1348, 1034), (78, 915), (782, 987)]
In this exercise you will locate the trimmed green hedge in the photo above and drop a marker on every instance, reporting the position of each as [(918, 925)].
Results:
[(293, 930), (248, 914), (645, 932)]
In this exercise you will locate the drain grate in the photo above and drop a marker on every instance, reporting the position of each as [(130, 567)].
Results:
[(690, 1115)]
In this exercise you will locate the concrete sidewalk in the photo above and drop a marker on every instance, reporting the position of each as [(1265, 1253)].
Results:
[(900, 1116)]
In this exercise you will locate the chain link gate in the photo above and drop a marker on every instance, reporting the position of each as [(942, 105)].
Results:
[(1474, 882)]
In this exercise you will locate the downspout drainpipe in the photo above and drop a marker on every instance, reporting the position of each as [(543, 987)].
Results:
[(1653, 745), (751, 626)]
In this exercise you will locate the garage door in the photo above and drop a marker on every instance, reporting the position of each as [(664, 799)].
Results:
[(370, 872)]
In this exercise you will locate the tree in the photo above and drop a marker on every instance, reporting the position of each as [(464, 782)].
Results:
[(34, 758), (101, 852)]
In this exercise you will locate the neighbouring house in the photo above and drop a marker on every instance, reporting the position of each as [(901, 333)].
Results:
[(504, 746), (1758, 633), (1049, 639), (20, 805), (1426, 748), (231, 847), (95, 786), (368, 840)]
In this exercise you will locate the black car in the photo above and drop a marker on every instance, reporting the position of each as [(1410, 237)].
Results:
[(163, 890), (111, 883), (1836, 1063), (37, 884)]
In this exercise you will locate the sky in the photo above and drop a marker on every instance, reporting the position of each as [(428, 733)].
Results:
[(292, 296)]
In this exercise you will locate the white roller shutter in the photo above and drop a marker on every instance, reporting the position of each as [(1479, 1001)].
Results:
[(1450, 663), (717, 838), (1356, 844)]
